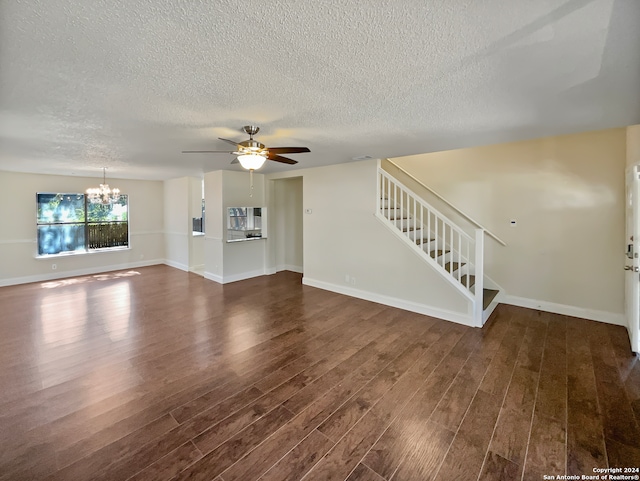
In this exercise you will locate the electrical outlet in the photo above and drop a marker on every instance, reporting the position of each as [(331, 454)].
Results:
[(54, 266), (353, 281)]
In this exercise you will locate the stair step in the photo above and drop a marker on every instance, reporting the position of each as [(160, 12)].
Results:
[(438, 253), (472, 280), (488, 295), (424, 241), (453, 266), (398, 218)]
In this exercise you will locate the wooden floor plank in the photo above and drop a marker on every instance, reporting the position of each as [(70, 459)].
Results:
[(497, 468), (467, 452), (190, 379), (364, 473)]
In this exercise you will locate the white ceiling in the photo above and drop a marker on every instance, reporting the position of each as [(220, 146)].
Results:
[(129, 84)]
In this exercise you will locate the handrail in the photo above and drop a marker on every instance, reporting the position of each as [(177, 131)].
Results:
[(448, 236), (474, 222), (431, 208)]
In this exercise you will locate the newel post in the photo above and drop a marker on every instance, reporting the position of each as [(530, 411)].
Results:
[(479, 273), (378, 187)]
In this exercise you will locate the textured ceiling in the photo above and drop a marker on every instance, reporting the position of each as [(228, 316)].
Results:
[(128, 84)]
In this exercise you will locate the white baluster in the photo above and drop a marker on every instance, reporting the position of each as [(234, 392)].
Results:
[(460, 255), (479, 263)]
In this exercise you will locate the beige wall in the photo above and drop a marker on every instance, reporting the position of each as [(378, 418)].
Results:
[(342, 236), (18, 248), (633, 145), (176, 222), (567, 196)]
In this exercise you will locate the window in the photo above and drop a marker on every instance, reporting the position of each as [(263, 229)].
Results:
[(68, 223), (198, 222), (244, 223)]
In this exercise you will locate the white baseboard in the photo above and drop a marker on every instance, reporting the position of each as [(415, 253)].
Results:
[(177, 265), (78, 272), (457, 317), (213, 277), (289, 267), (235, 277), (591, 314)]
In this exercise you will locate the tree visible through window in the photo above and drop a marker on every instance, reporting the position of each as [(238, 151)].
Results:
[(68, 223)]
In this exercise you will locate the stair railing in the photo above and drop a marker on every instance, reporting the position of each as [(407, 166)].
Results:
[(436, 238), (449, 204)]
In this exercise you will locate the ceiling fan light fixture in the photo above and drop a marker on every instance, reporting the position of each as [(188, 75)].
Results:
[(251, 161)]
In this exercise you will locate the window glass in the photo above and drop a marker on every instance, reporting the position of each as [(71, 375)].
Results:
[(67, 223), (58, 238), (60, 208)]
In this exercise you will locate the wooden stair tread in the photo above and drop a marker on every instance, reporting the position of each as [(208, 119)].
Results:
[(472, 280), (424, 241), (488, 295), (453, 266), (438, 253)]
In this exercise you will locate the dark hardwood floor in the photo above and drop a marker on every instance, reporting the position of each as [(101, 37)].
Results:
[(158, 374)]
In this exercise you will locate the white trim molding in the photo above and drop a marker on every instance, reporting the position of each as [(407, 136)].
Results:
[(18, 241), (235, 277), (457, 317), (177, 265), (289, 267), (146, 232), (564, 309), (78, 272), (213, 277)]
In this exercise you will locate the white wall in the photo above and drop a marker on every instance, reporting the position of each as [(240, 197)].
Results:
[(243, 259), (566, 194), (213, 240), (196, 243), (286, 232), (343, 237), (18, 248), (177, 222), (232, 261)]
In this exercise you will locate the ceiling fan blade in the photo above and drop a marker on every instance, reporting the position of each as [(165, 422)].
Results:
[(288, 150), (230, 141), (207, 152), (279, 158), (235, 161)]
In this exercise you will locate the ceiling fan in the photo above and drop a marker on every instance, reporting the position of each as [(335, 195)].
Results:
[(253, 154)]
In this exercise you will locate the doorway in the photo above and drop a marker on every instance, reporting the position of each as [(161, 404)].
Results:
[(632, 254), (288, 225)]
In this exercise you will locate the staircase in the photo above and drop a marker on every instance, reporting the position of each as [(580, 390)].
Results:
[(446, 247)]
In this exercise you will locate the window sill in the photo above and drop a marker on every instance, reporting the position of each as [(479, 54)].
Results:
[(82, 253)]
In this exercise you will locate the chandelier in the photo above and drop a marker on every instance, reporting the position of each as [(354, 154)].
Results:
[(103, 194)]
